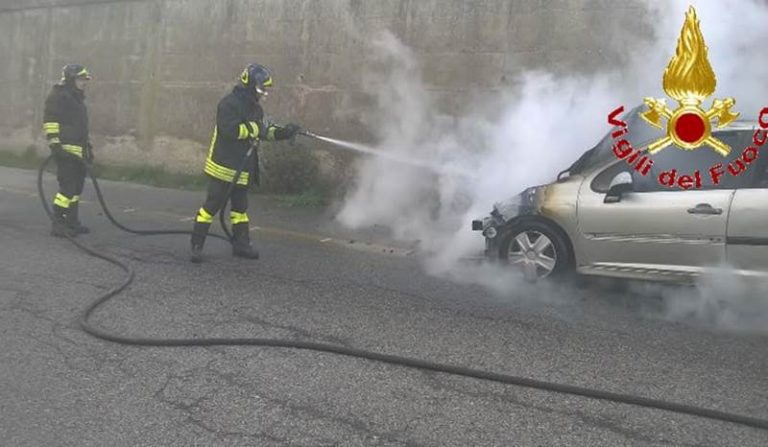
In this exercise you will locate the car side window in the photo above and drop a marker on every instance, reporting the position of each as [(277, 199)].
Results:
[(602, 181), (761, 176), (702, 159), (687, 162)]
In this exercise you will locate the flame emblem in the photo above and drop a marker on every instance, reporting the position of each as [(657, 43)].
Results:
[(689, 80)]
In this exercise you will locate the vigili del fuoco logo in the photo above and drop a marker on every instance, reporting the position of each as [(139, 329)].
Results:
[(689, 79)]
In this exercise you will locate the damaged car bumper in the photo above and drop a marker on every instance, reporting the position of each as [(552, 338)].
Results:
[(494, 225)]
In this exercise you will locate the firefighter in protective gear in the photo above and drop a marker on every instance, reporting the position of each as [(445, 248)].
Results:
[(65, 124), (239, 124)]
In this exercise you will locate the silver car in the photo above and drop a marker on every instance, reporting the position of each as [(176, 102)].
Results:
[(602, 217)]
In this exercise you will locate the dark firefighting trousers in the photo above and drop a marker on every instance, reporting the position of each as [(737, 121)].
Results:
[(214, 202), (71, 177)]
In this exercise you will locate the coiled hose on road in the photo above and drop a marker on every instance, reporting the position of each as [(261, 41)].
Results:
[(88, 327)]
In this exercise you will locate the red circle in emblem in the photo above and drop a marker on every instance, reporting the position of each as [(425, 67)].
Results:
[(690, 127)]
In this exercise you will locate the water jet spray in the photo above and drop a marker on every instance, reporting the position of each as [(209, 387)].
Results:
[(363, 149)]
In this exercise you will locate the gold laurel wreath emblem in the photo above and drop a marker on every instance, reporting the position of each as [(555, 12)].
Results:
[(689, 79)]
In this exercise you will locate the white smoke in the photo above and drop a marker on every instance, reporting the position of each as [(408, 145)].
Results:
[(546, 122), (720, 299), (544, 126)]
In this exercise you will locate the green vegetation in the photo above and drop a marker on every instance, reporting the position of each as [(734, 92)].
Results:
[(288, 169), (150, 175), (307, 199), (289, 175), (27, 160)]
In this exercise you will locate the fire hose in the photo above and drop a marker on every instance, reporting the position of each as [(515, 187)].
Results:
[(94, 330)]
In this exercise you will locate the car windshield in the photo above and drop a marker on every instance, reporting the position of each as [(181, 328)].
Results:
[(639, 133)]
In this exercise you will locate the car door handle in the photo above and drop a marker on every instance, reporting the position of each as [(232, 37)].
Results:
[(705, 208)]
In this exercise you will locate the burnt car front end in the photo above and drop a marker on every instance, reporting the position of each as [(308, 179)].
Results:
[(495, 226), (553, 205)]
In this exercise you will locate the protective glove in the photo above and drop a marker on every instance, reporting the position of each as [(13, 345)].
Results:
[(287, 132)]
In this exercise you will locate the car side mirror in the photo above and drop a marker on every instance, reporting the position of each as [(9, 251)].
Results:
[(620, 185)]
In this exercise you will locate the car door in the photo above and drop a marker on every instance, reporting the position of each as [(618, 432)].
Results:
[(655, 231), (747, 236)]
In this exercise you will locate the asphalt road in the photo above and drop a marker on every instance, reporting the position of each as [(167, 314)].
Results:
[(59, 386)]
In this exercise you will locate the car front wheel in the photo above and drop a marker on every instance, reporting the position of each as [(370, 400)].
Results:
[(535, 249)]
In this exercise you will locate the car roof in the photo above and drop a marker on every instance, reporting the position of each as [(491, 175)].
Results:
[(739, 125)]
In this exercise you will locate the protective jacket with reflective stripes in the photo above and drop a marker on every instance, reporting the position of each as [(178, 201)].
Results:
[(239, 120), (65, 119)]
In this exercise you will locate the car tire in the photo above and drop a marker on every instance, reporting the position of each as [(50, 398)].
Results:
[(538, 249)]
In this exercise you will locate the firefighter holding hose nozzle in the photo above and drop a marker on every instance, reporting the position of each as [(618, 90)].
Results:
[(239, 124)]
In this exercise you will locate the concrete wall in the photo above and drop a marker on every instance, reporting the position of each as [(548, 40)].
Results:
[(161, 65)]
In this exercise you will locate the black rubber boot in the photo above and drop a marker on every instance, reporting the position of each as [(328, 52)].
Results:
[(196, 254), (241, 245), (73, 220), (59, 227), (199, 232)]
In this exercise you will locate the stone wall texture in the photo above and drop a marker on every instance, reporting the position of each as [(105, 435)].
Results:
[(160, 66)]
